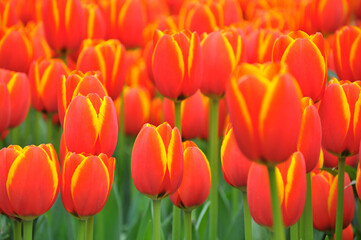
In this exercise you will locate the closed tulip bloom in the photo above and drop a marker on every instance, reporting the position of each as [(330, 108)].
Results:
[(291, 183), (221, 52), (94, 22), (305, 59), (63, 24), (156, 111), (196, 182), (45, 76), (86, 181), (91, 125), (309, 142), (324, 200), (266, 115), (78, 83), (16, 50), (339, 112), (235, 165), (28, 180), (157, 161), (177, 64), (192, 115), (108, 57)]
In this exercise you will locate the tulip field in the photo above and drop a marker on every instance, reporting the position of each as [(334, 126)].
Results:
[(180, 119)]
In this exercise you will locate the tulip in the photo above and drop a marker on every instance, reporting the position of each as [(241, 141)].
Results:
[(4, 107), (16, 50), (108, 57), (8, 14), (291, 179), (331, 161), (45, 76), (94, 27), (305, 58), (63, 24), (156, 113), (41, 48), (90, 125), (78, 83), (86, 183), (177, 64)]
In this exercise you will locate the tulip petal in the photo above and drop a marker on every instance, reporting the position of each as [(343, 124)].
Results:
[(108, 127)]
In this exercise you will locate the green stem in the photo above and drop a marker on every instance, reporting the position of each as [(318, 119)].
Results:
[(359, 213), (308, 218), (82, 229), (235, 201), (294, 231), (28, 230), (17, 230), (176, 228), (340, 190), (89, 228), (188, 225), (247, 217), (49, 128), (156, 219), (213, 156), (278, 229), (330, 236)]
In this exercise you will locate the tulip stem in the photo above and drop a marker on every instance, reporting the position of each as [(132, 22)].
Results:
[(89, 228), (213, 156), (330, 236), (359, 213), (176, 231), (28, 230), (156, 219), (294, 231), (307, 212), (17, 230), (188, 225), (82, 229), (340, 190), (49, 128), (247, 217), (278, 228)]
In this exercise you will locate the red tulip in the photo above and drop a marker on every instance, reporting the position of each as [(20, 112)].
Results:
[(196, 182), (4, 107), (331, 160), (28, 180), (157, 161), (86, 183), (94, 27)]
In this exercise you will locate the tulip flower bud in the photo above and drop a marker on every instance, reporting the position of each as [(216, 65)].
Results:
[(94, 22)]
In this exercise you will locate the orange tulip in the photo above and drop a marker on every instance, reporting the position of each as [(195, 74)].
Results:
[(91, 125), (177, 64), (235, 165), (217, 68), (28, 180), (305, 58), (157, 161), (41, 48), (4, 107), (16, 50), (45, 76), (339, 112), (86, 182), (291, 183), (324, 201), (8, 16), (309, 142), (196, 182), (156, 113), (108, 57), (63, 24), (78, 83), (94, 27), (192, 115), (266, 115)]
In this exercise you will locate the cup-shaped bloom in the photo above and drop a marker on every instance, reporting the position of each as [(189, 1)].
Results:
[(157, 161), (78, 83), (196, 182), (324, 201), (266, 115), (291, 183), (305, 59), (177, 64), (108, 57), (86, 181), (217, 68), (235, 165), (41, 48), (156, 111), (63, 24), (16, 50), (45, 76), (344, 47), (19, 92), (28, 180), (91, 125), (340, 110), (192, 115), (94, 27), (8, 16), (309, 142)]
